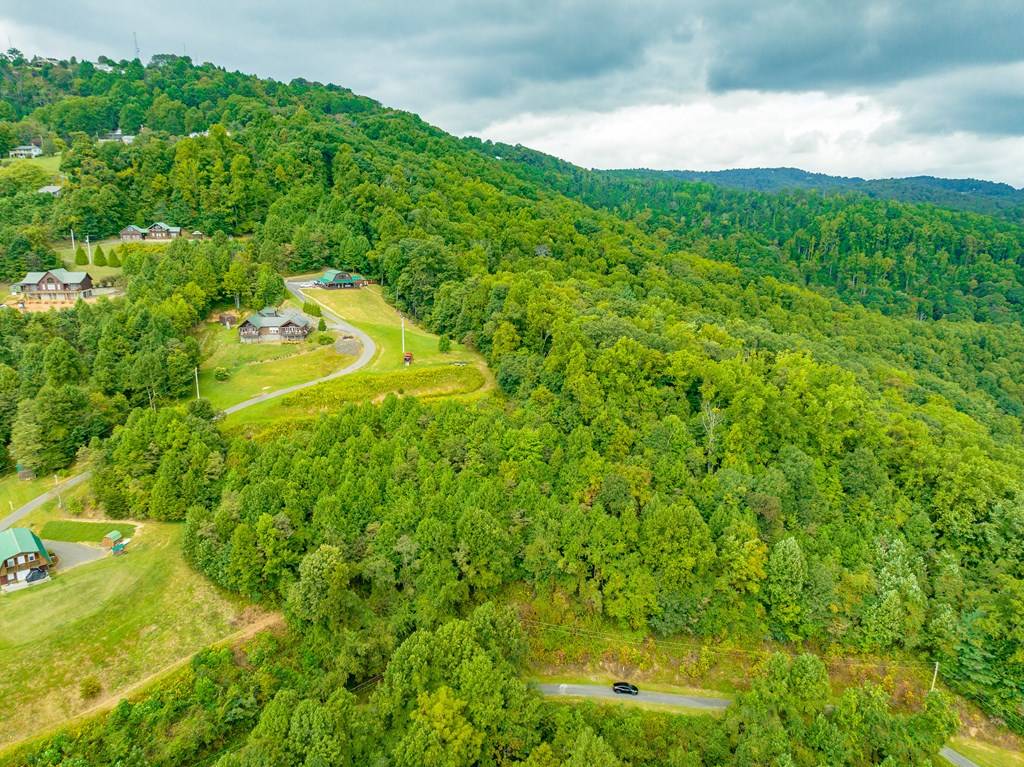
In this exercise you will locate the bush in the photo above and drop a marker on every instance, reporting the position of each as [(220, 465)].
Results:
[(221, 374), (444, 344), (324, 338), (75, 507), (99, 258), (90, 688), (322, 325), (80, 258), (113, 259), (312, 309)]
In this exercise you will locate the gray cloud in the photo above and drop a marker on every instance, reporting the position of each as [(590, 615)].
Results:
[(944, 66)]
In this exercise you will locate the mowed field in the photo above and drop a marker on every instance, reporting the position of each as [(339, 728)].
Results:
[(257, 368), (117, 619), (67, 255), (457, 373)]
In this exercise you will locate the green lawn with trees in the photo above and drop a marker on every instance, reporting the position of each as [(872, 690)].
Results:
[(785, 420)]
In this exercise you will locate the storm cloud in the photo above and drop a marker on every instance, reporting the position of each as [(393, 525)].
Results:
[(866, 88)]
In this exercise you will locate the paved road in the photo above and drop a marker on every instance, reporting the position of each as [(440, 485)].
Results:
[(956, 758), (335, 323), (73, 554), (605, 691), (687, 701), (39, 500)]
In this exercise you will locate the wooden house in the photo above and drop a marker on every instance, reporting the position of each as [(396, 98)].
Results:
[(54, 285), (162, 231), (273, 325), (132, 233), (23, 557), (333, 279)]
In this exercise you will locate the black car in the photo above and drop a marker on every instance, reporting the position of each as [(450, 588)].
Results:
[(625, 688)]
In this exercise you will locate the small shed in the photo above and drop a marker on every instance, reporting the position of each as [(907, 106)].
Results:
[(111, 539)]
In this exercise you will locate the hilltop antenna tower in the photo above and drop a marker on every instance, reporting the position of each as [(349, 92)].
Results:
[(135, 39)]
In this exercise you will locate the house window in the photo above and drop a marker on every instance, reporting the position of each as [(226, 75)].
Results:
[(21, 559), (32, 557), (10, 562)]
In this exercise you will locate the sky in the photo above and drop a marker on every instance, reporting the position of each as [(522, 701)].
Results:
[(868, 88)]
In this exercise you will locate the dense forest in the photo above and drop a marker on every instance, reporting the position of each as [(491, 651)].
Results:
[(791, 417)]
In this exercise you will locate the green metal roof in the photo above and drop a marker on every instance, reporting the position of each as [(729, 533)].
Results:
[(113, 535), (68, 278), (20, 540), (337, 275), (269, 317)]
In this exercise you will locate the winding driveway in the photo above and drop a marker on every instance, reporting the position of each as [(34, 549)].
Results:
[(333, 321), (685, 701)]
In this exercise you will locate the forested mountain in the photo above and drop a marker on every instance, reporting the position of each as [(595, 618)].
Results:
[(789, 416), (961, 193)]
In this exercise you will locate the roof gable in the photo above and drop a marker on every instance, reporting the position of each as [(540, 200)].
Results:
[(21, 540)]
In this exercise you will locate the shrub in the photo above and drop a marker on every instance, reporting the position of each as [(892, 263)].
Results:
[(75, 507), (113, 259), (444, 344), (221, 374), (312, 309), (80, 258), (99, 258), (324, 338), (90, 687), (322, 325)]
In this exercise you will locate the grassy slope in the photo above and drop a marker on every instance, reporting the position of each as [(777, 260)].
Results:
[(432, 373), (119, 619), (15, 492), (986, 754), (256, 368), (67, 255)]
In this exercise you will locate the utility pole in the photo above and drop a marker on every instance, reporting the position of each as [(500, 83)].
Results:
[(56, 484), (197, 382), (135, 39), (88, 246), (72, 242), (935, 676)]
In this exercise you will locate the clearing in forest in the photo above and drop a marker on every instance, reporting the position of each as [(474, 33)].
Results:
[(106, 625)]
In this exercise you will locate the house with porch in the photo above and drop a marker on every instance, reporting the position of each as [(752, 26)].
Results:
[(25, 152), (132, 233), (333, 279), (23, 558), (162, 231), (56, 285), (274, 325)]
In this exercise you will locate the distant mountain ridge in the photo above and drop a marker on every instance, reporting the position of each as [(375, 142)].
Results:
[(962, 193)]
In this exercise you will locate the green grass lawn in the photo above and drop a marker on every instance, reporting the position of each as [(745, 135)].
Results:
[(119, 619), (83, 532), (986, 754), (367, 310), (67, 255), (15, 492), (49, 163), (256, 368)]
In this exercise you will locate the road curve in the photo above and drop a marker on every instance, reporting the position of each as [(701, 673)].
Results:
[(333, 321), (605, 691), (686, 701), (39, 500)]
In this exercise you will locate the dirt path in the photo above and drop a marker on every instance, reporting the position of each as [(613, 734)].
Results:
[(269, 620)]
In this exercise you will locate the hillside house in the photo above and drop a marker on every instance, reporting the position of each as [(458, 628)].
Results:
[(116, 137), (25, 152), (23, 558), (162, 231), (274, 325), (132, 233), (333, 279), (51, 189), (54, 285)]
